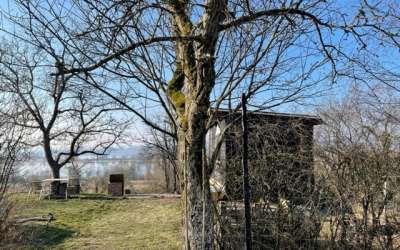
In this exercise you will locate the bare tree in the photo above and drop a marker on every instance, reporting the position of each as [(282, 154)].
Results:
[(184, 57), (68, 120)]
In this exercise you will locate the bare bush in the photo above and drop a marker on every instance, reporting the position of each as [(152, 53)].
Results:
[(10, 152), (358, 169)]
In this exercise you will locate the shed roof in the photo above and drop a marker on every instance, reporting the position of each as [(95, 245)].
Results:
[(315, 120)]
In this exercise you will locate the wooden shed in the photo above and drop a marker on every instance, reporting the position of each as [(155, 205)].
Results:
[(280, 155)]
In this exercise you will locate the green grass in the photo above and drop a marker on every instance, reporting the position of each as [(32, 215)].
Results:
[(101, 224)]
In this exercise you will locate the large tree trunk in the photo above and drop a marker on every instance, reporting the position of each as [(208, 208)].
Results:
[(55, 185), (198, 215), (199, 225), (189, 90)]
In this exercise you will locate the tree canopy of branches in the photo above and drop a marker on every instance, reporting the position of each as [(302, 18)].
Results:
[(184, 57)]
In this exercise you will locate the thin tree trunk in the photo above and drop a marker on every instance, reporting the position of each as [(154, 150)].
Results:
[(175, 183), (166, 172)]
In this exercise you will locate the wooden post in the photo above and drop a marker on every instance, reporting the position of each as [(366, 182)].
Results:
[(246, 185)]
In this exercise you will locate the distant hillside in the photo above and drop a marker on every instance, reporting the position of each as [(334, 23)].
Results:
[(124, 152)]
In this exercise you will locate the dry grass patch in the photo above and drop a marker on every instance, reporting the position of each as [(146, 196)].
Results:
[(103, 224)]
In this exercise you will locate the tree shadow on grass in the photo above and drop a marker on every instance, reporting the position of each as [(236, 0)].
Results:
[(86, 196), (39, 235)]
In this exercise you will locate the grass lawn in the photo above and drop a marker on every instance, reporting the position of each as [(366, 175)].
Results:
[(101, 224)]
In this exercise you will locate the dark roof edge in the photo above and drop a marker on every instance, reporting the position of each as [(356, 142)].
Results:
[(314, 118)]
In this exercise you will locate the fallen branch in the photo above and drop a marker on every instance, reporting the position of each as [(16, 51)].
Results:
[(48, 218)]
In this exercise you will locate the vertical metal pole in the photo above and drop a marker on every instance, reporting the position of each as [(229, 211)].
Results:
[(246, 185), (203, 177), (385, 201)]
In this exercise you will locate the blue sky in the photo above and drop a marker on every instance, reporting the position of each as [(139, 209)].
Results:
[(333, 91)]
